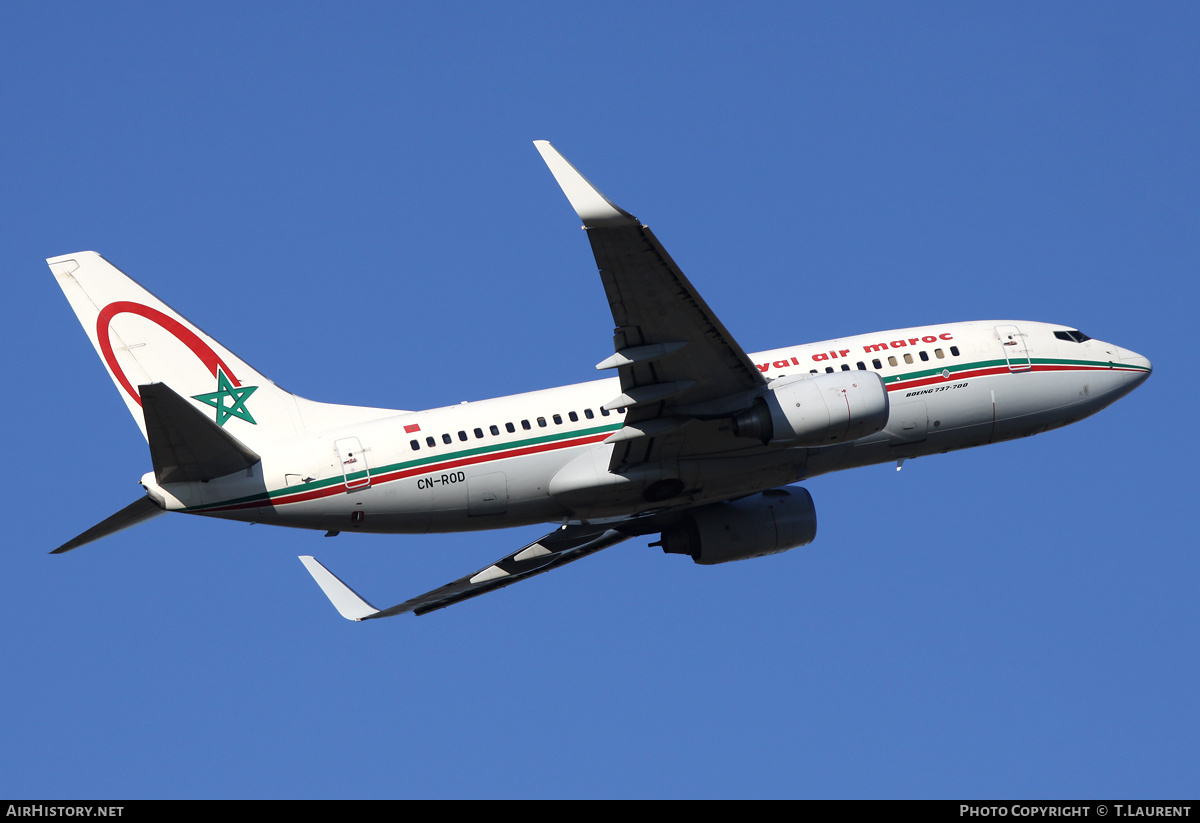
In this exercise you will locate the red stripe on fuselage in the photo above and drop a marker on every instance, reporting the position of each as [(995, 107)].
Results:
[(995, 370), (392, 476)]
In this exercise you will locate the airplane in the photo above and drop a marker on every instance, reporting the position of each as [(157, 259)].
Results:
[(693, 439)]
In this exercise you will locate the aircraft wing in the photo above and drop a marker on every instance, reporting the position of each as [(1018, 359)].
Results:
[(675, 359), (558, 548)]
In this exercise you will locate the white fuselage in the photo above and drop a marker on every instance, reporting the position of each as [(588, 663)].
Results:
[(517, 460)]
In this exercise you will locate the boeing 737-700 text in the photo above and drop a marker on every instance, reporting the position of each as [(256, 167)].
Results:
[(693, 439)]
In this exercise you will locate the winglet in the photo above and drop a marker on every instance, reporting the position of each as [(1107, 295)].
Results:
[(593, 208), (343, 598)]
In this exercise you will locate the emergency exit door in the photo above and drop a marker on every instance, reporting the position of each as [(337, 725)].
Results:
[(354, 463)]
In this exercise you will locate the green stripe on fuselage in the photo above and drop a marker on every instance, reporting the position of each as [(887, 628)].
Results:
[(314, 485)]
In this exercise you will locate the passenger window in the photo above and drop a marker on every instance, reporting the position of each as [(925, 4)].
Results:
[(542, 422), (939, 354), (829, 369), (812, 371), (876, 363), (924, 356), (605, 411), (862, 366), (479, 434), (415, 444), (430, 442), (494, 429), (588, 414), (462, 435), (892, 360), (908, 358), (525, 425), (510, 428), (574, 417), (845, 367), (954, 350), (446, 439)]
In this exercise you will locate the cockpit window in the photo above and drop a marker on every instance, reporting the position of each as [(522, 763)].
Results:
[(1072, 336)]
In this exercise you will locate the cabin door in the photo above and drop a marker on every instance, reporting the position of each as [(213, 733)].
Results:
[(1015, 352)]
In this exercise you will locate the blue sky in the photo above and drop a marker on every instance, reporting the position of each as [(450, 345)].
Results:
[(349, 198)]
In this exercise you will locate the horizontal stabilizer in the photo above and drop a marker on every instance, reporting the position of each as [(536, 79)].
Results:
[(185, 446), (131, 515)]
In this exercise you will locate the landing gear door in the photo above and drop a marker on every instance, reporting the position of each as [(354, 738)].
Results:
[(1015, 352), (354, 463)]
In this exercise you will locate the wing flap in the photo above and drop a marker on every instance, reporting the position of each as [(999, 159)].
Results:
[(654, 305), (558, 548)]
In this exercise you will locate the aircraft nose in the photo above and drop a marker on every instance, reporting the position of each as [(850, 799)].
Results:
[(1140, 365)]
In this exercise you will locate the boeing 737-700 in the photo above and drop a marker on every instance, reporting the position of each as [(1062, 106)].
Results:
[(693, 439)]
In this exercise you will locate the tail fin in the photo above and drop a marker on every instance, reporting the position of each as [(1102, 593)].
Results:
[(142, 340)]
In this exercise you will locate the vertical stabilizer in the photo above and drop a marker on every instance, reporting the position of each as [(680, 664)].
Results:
[(142, 340)]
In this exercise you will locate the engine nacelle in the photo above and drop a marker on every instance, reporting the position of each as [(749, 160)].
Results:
[(767, 523), (817, 411)]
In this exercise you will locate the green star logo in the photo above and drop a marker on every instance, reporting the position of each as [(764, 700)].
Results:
[(236, 395)]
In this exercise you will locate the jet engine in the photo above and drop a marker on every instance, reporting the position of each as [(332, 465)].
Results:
[(817, 410), (767, 523)]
